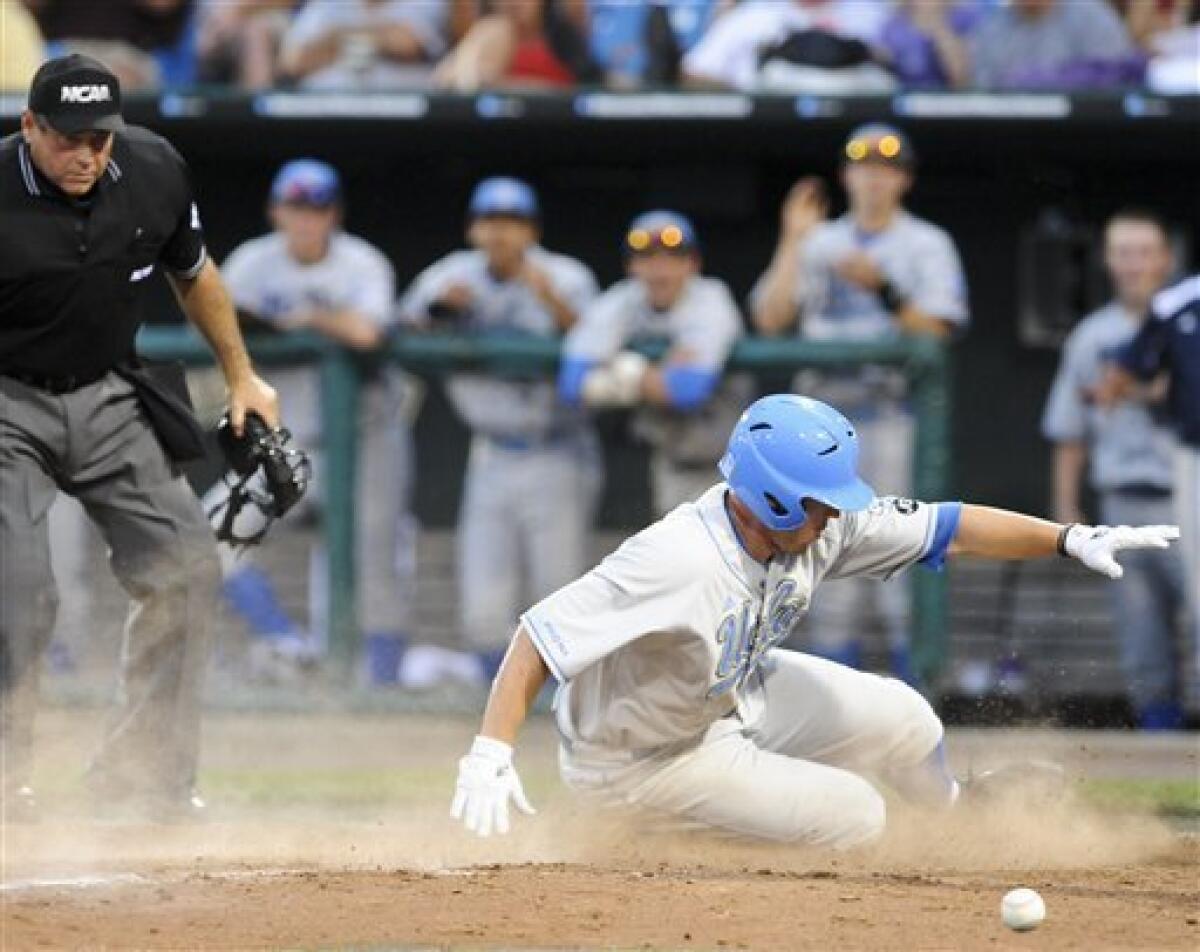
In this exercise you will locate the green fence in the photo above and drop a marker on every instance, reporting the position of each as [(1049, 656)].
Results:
[(925, 363)]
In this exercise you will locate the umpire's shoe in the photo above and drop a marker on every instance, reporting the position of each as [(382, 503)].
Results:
[(19, 806), (125, 805), (1031, 783)]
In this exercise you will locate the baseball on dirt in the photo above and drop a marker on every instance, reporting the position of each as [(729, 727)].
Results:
[(1022, 909)]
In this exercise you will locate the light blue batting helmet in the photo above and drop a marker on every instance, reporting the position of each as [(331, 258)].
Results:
[(786, 449)]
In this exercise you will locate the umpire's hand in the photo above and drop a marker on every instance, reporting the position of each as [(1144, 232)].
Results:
[(252, 393)]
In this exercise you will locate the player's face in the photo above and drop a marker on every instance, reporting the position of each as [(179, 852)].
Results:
[(875, 186), (795, 541), (503, 240), (305, 228), (664, 273), (1139, 260), (72, 162)]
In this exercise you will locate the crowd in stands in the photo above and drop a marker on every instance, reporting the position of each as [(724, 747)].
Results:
[(791, 46)]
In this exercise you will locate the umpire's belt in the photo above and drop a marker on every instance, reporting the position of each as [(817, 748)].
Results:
[(67, 383)]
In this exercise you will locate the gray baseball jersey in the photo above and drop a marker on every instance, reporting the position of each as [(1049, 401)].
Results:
[(1127, 445), (702, 327), (917, 256), (668, 634), (494, 405)]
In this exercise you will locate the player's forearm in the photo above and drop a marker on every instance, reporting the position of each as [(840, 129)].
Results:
[(915, 321), (207, 304), (987, 533), (346, 327), (776, 308), (1069, 462), (521, 676)]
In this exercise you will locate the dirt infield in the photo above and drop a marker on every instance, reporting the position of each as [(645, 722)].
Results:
[(346, 844)]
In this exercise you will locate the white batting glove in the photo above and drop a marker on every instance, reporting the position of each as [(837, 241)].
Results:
[(617, 384), (487, 780), (1096, 546)]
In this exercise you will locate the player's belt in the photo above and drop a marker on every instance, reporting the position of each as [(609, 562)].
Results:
[(1142, 491), (66, 383), (519, 443)]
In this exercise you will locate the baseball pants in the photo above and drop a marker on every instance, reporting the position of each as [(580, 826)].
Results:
[(529, 508), (1147, 601), (796, 773), (1187, 509), (96, 445)]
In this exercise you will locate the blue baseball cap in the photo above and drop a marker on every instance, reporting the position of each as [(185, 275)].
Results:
[(507, 197), (879, 142), (307, 182), (661, 230)]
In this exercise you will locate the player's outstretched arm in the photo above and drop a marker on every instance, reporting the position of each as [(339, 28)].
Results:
[(989, 533), (487, 779)]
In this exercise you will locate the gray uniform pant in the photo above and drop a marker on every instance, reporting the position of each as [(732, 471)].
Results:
[(1147, 603), (528, 508), (96, 445)]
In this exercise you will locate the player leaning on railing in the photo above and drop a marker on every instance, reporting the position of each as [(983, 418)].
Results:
[(674, 696)]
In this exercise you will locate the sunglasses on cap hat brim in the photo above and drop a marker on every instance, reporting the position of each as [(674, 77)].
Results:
[(670, 239), (885, 149)]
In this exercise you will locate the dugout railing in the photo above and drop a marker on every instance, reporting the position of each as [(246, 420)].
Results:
[(924, 362)]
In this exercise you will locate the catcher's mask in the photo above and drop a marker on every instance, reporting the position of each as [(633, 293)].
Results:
[(264, 473)]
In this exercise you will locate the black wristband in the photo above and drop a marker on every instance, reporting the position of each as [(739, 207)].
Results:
[(891, 297), (1062, 540)]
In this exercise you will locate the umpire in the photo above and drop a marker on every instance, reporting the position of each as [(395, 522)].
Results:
[(89, 208)]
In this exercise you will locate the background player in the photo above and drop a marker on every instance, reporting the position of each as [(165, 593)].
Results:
[(89, 209), (675, 696), (687, 410), (876, 272), (533, 474), (1169, 341), (310, 275), (1130, 449)]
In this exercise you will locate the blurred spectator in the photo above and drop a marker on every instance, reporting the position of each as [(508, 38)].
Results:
[(365, 44), (1130, 448), (686, 408), (818, 46), (1165, 32), (875, 273), (534, 473), (237, 41), (147, 43), (642, 42), (926, 42), (310, 275), (21, 46), (529, 43), (1054, 44)]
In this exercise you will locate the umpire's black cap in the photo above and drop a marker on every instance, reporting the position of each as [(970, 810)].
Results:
[(76, 93)]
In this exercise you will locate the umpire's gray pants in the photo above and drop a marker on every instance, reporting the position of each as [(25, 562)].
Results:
[(96, 445)]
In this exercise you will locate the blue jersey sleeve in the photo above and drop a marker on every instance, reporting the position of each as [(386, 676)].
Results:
[(571, 372), (689, 388), (945, 528)]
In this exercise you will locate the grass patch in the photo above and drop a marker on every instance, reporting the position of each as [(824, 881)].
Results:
[(1178, 798), (349, 789)]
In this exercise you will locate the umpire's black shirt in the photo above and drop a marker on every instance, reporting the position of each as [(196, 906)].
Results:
[(72, 270)]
